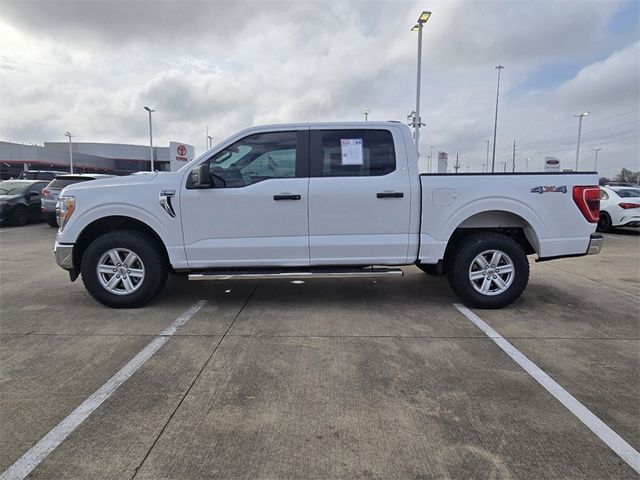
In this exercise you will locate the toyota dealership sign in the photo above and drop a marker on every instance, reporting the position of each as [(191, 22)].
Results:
[(179, 154)]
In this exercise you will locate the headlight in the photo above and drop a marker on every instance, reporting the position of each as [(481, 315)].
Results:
[(64, 209)]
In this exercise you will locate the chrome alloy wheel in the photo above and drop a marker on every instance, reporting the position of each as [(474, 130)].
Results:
[(120, 271), (491, 272)]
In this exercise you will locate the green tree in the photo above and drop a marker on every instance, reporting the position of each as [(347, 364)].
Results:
[(626, 175)]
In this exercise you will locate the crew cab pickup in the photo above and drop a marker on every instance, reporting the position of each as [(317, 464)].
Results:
[(321, 200)]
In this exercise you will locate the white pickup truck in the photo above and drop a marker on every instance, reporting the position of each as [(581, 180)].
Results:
[(327, 200)]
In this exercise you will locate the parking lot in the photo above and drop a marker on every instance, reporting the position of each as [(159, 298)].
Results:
[(324, 379)]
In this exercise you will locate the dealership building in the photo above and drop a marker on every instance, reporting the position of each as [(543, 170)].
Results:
[(113, 158)]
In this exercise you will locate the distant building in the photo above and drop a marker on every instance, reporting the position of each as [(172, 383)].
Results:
[(114, 158)]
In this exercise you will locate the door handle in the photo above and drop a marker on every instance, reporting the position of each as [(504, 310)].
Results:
[(287, 196), (390, 195)]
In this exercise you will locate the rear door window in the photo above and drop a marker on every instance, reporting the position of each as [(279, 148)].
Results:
[(352, 153)]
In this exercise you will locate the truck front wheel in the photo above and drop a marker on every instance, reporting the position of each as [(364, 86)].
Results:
[(488, 270), (123, 269)]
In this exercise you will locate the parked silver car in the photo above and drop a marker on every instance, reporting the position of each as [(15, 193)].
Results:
[(50, 193)]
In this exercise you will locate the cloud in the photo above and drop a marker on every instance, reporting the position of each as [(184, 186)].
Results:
[(90, 67)]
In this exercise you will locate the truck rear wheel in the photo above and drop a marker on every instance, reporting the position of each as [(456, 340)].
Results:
[(488, 270), (123, 269)]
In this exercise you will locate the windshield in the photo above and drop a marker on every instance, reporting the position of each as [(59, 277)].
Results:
[(60, 183), (628, 192), (13, 188)]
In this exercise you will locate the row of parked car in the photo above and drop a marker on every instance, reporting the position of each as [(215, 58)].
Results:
[(35, 194), (27, 199)]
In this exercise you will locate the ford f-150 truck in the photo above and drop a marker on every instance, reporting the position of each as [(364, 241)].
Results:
[(327, 200)]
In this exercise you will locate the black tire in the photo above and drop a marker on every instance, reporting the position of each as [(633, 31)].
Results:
[(150, 255), (605, 224), (19, 216), (428, 268), (463, 258), (51, 220)]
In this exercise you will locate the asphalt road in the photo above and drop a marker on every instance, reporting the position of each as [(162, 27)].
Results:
[(326, 379)]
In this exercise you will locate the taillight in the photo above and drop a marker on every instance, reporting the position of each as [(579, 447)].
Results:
[(45, 192), (587, 199), (627, 205)]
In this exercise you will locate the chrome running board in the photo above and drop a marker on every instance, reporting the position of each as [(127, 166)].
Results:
[(297, 274)]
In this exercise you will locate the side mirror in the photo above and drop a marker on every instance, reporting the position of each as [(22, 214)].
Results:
[(200, 177)]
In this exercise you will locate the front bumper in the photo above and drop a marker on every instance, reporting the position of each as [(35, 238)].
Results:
[(595, 244), (64, 255)]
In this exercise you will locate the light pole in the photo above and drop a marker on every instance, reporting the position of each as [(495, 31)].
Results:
[(580, 115), (67, 134), (495, 125), (366, 115), (150, 137), (526, 164), (595, 163), (210, 140), (431, 159), (488, 142), (417, 121)]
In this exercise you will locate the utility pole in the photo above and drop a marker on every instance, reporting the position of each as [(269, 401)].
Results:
[(526, 164), (70, 152), (210, 138), (513, 158), (366, 115), (457, 165), (495, 125)]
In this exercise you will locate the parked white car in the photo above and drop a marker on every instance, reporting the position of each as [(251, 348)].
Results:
[(329, 200), (619, 207)]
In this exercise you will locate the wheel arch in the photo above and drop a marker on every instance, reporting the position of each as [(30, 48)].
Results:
[(504, 222), (109, 224)]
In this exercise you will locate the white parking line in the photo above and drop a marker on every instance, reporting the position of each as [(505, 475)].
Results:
[(23, 228), (611, 236), (56, 436), (614, 441)]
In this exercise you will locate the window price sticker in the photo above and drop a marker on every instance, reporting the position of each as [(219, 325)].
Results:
[(351, 151)]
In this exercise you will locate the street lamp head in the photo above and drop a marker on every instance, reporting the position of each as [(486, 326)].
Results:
[(148, 109), (415, 28), (366, 112), (499, 67), (583, 114), (424, 16)]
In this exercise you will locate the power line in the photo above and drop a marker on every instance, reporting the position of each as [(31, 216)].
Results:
[(592, 144), (571, 140), (572, 137)]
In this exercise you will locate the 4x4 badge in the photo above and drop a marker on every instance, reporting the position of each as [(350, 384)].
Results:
[(550, 189)]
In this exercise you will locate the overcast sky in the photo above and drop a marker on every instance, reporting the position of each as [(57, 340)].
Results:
[(90, 67)]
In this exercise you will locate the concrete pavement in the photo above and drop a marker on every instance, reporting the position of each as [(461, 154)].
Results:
[(327, 379)]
